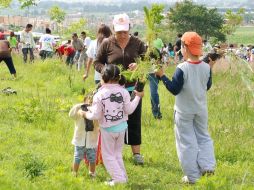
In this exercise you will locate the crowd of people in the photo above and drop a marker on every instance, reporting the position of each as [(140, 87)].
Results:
[(118, 115)]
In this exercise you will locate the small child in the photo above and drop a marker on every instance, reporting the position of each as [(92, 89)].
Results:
[(85, 142), (189, 84), (111, 107)]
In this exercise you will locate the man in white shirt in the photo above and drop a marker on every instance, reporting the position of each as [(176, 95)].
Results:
[(27, 41), (47, 43)]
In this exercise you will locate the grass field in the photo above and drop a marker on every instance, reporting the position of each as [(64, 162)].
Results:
[(243, 35), (36, 132)]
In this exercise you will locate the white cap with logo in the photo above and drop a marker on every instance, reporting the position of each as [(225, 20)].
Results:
[(121, 22)]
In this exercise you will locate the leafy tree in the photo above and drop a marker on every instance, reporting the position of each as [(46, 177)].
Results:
[(233, 20), (153, 18), (23, 3), (5, 3), (57, 14), (77, 27), (27, 3), (187, 16)]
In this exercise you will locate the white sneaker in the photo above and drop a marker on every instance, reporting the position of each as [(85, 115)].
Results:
[(186, 180), (92, 174), (109, 183)]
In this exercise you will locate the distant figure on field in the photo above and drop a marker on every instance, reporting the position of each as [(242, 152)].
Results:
[(5, 55), (47, 43), (27, 40), (79, 47), (13, 42)]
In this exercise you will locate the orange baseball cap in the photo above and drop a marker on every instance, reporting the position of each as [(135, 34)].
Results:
[(193, 41)]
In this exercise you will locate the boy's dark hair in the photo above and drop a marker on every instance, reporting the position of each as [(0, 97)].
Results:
[(83, 33), (29, 26), (179, 35), (69, 41), (48, 31), (135, 34), (112, 73)]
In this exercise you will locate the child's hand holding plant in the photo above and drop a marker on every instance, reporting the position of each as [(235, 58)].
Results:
[(140, 94), (159, 72)]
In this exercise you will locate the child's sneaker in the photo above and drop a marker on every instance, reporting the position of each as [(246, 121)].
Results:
[(75, 174), (109, 182), (138, 159), (92, 174), (186, 180)]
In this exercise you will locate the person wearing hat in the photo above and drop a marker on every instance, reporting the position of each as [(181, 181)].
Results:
[(189, 84), (123, 49)]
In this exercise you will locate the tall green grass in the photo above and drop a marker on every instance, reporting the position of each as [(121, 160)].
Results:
[(36, 133)]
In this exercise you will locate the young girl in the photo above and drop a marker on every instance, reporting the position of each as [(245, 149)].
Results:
[(111, 106), (85, 142)]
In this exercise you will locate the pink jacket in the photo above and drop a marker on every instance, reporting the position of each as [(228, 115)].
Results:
[(112, 105)]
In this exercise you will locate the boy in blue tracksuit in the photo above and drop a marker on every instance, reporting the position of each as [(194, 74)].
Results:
[(189, 84)]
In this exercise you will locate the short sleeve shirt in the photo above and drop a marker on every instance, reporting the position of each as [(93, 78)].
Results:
[(47, 42)]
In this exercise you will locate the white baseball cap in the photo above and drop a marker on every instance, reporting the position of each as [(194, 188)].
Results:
[(121, 22)]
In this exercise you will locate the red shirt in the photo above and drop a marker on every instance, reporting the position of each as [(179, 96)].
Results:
[(61, 49), (1, 36), (69, 50)]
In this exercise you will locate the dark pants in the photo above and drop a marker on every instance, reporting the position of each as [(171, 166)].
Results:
[(25, 52), (9, 63), (133, 134), (154, 96), (70, 59), (46, 54)]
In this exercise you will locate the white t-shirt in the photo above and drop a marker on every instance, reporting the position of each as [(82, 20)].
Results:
[(87, 42), (47, 42), (27, 40), (91, 53)]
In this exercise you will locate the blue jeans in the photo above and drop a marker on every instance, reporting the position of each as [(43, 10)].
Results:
[(154, 96), (81, 151)]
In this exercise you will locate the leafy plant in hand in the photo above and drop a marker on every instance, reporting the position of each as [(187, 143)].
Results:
[(147, 64)]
